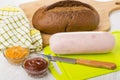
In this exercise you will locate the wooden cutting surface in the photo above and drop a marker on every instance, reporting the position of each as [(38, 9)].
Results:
[(104, 9)]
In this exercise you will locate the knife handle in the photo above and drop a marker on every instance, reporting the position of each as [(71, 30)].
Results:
[(98, 64)]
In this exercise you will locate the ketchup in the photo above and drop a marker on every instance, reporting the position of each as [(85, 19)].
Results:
[(36, 66)]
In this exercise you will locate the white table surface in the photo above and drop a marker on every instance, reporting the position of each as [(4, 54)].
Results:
[(115, 25)]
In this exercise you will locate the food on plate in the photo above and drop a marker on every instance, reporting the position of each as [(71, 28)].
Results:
[(16, 54), (36, 66), (82, 42), (66, 16)]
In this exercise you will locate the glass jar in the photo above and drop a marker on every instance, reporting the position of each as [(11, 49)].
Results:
[(36, 66), (16, 54)]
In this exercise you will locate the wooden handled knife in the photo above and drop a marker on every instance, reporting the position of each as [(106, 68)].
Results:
[(93, 63)]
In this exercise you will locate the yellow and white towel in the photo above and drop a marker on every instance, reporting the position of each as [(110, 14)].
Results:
[(15, 30)]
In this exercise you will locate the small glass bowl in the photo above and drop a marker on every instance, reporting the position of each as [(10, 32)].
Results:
[(36, 67), (16, 61)]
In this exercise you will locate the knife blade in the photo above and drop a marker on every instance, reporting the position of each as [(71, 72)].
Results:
[(92, 63)]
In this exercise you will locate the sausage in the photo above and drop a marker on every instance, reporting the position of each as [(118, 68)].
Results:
[(82, 42)]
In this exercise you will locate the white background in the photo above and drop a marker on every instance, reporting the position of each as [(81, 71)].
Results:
[(115, 25)]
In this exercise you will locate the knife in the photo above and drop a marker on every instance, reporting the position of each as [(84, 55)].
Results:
[(93, 63)]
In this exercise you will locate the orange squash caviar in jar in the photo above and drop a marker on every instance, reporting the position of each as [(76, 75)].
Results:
[(16, 54)]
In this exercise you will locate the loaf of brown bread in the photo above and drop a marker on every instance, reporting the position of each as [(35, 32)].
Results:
[(66, 16)]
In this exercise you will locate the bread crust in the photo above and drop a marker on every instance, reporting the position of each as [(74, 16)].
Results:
[(66, 16)]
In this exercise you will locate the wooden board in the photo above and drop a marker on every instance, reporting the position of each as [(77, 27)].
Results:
[(104, 9)]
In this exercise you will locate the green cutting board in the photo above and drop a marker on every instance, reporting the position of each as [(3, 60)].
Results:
[(80, 72)]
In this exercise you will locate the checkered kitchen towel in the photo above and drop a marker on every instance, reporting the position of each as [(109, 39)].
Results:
[(15, 30)]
